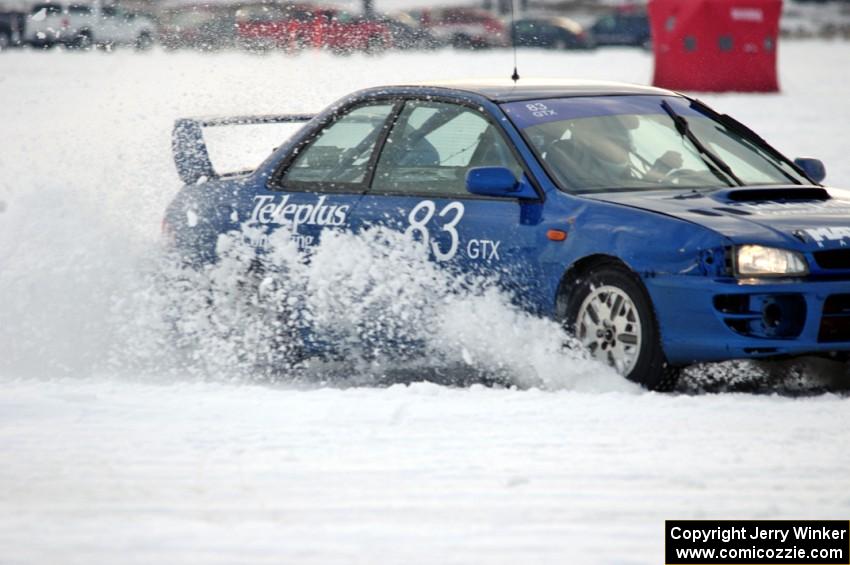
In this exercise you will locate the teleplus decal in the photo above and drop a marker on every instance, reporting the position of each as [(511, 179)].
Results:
[(268, 210)]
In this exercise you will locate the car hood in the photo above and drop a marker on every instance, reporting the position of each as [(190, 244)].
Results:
[(804, 218)]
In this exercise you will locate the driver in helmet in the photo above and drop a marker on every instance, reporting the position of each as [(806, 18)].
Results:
[(599, 153)]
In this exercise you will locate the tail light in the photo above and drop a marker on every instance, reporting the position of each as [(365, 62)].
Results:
[(168, 235)]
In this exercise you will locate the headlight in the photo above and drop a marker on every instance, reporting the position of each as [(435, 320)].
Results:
[(755, 260)]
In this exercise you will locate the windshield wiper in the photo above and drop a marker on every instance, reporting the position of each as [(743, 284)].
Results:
[(752, 139), (684, 129)]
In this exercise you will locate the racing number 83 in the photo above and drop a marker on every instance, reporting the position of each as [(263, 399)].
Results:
[(422, 213)]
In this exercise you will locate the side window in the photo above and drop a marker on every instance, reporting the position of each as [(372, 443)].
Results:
[(338, 158), (81, 10), (343, 18), (302, 15), (433, 145), (46, 9)]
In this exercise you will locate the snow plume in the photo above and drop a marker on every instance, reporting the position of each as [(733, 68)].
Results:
[(84, 292), (63, 262), (232, 320), (372, 303), (379, 295)]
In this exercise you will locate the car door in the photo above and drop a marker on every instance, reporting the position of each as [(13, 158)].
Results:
[(419, 187), (606, 31), (319, 183), (551, 35), (109, 22), (80, 18)]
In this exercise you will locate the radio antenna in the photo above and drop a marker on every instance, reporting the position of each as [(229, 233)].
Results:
[(515, 76)]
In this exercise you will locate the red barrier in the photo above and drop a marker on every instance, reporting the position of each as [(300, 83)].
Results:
[(715, 45)]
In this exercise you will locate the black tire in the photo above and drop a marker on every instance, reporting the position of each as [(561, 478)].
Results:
[(341, 51), (375, 45), (462, 41), (5, 39), (144, 42), (83, 40), (649, 366)]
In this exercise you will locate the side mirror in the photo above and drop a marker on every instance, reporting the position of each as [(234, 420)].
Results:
[(492, 181), (813, 168)]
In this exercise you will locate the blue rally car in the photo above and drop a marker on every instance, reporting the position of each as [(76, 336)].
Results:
[(660, 232)]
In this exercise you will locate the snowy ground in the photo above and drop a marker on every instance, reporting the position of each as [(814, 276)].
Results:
[(109, 457)]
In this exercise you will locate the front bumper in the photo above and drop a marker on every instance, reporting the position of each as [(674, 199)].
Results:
[(704, 319), (45, 40)]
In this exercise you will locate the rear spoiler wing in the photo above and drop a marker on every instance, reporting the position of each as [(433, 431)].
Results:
[(190, 150)]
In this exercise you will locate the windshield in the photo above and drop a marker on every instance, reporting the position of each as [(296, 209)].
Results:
[(615, 143)]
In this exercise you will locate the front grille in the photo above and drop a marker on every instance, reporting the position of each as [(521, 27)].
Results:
[(835, 322), (833, 259)]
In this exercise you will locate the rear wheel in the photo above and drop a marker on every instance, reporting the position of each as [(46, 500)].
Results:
[(610, 313), (144, 41), (461, 41), (375, 45)]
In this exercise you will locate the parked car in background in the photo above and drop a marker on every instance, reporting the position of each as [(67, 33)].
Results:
[(550, 32), (298, 26), (469, 28), (12, 25), (407, 33), (626, 27), (260, 27), (204, 28), (343, 32), (86, 25)]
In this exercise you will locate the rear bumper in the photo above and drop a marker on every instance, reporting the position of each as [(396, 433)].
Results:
[(703, 319)]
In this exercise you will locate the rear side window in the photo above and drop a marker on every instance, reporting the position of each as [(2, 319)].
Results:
[(261, 13), (607, 23), (433, 145), (79, 10), (344, 18), (339, 157), (301, 15)]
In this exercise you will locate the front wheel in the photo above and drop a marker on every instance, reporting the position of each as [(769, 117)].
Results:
[(610, 313), (83, 40)]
